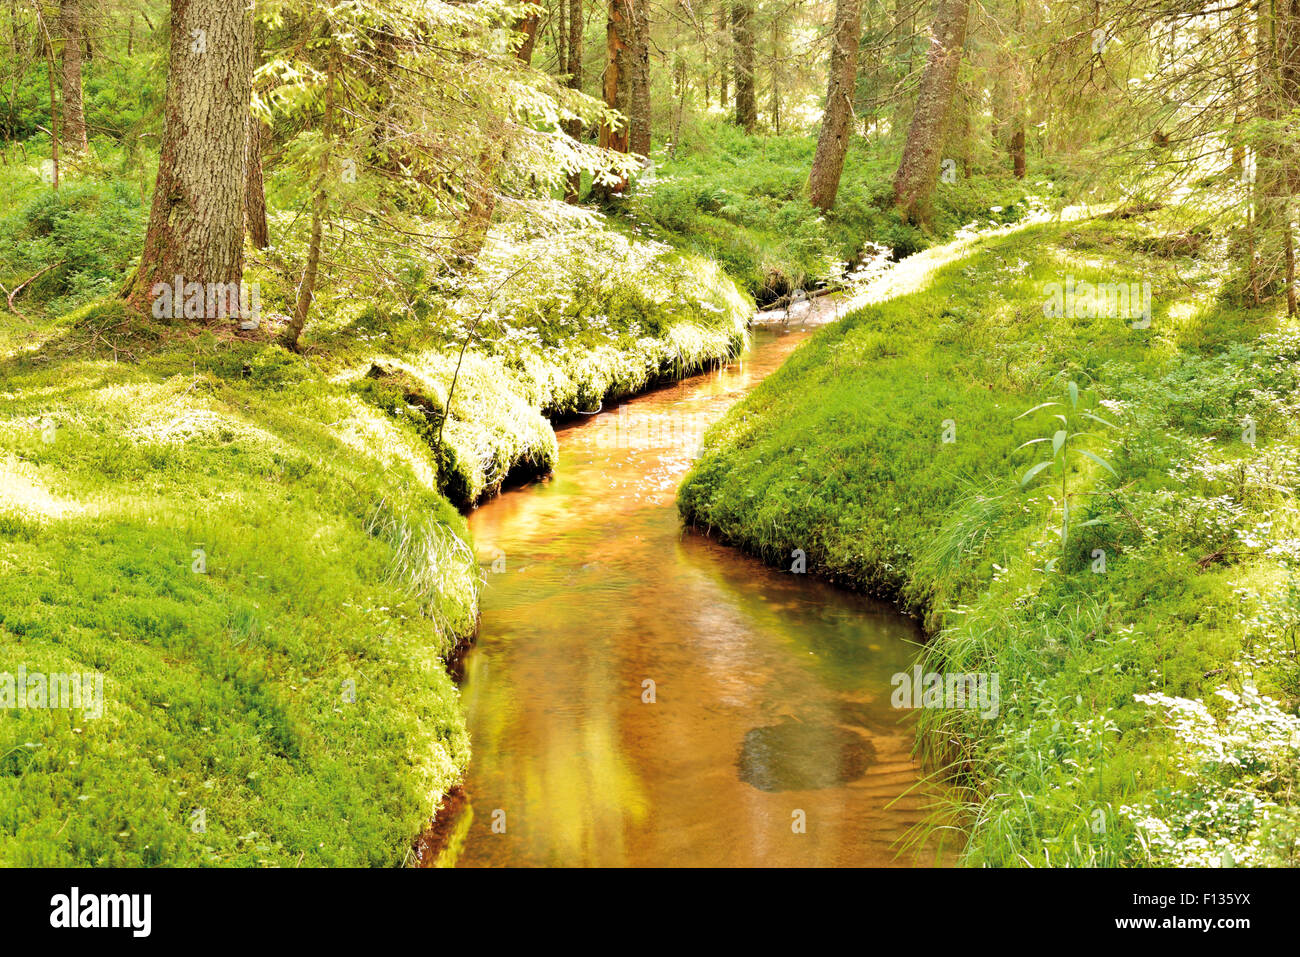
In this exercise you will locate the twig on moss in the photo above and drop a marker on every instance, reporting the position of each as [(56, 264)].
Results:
[(23, 285)]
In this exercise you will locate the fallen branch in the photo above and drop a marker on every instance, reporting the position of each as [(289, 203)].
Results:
[(1215, 556), (23, 285)]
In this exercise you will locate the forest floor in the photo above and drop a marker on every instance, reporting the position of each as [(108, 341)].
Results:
[(1146, 652), (259, 553)]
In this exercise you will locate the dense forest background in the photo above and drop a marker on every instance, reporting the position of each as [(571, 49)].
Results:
[(399, 133)]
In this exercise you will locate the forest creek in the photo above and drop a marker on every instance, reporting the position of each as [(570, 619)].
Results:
[(755, 434), (787, 677)]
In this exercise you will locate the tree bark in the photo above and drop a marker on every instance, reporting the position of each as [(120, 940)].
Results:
[(1289, 54), (680, 85), (919, 168), (307, 285), (618, 77), (196, 223), (1017, 147), (837, 125), (481, 200), (74, 117), (1278, 68), (1239, 97), (777, 67), (1019, 94), (1288, 174), (528, 27), (54, 105), (638, 111), (742, 34), (254, 190), (561, 37), (574, 69), (724, 41)]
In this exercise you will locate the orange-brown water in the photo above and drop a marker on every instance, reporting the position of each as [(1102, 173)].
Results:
[(771, 689)]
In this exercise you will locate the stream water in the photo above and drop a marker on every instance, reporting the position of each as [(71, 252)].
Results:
[(642, 695)]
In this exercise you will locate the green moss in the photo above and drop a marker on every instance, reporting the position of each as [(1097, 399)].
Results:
[(257, 551), (842, 453), (327, 557), (603, 316)]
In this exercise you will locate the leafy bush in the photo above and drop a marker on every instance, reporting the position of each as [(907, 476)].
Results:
[(89, 230)]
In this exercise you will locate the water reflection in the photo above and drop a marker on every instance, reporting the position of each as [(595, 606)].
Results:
[(644, 696)]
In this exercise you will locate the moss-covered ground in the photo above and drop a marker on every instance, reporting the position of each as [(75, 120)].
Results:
[(891, 448), (260, 553)]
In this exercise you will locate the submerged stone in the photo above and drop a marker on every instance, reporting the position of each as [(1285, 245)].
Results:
[(793, 756)]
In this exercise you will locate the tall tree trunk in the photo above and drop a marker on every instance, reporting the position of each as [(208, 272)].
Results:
[(254, 190), (576, 23), (196, 224), (54, 97), (1278, 67), (724, 44), (574, 69), (1017, 147), (618, 82), (904, 28), (777, 67), (1288, 175), (481, 202), (1019, 96), (1239, 97), (742, 33), (638, 111), (307, 285), (561, 37), (708, 78), (74, 117), (680, 84), (837, 126), (1289, 55), (919, 168), (528, 27)]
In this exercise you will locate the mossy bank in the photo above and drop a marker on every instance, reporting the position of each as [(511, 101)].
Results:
[(896, 457), (259, 553)]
